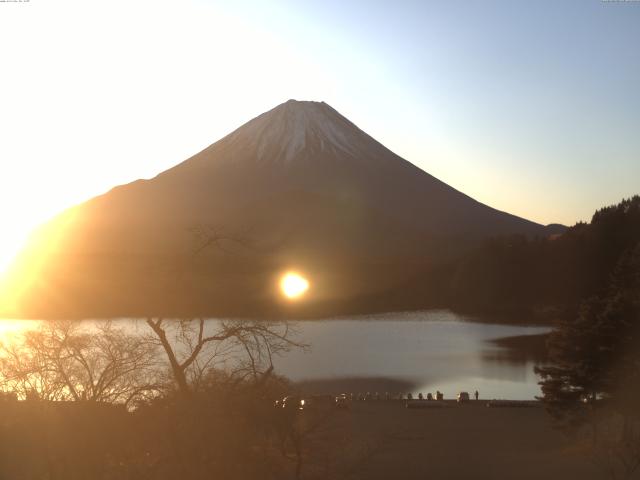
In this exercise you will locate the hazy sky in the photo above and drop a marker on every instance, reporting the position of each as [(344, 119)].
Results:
[(532, 107)]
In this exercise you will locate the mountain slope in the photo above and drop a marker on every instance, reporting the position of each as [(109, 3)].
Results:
[(301, 187)]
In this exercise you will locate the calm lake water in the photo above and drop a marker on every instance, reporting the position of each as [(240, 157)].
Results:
[(426, 351), (433, 350)]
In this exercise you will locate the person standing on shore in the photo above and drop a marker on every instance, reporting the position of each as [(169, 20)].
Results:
[(477, 394)]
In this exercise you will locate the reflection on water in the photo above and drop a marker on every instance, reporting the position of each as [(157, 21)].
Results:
[(431, 350), (519, 349)]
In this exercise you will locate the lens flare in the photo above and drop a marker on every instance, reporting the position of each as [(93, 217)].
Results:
[(293, 285)]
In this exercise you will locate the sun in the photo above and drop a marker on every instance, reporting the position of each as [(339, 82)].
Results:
[(293, 285)]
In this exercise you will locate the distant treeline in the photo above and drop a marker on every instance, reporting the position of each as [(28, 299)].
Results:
[(517, 278), (542, 276)]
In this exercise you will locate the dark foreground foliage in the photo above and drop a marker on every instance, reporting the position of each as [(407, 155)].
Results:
[(226, 430), (229, 431), (592, 385)]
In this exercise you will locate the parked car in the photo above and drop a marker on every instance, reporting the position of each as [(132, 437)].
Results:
[(463, 397), (343, 401), (289, 402), (317, 402)]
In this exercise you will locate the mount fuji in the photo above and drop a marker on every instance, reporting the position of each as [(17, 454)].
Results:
[(298, 187)]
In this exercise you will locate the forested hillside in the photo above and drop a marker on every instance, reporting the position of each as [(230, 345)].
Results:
[(539, 275)]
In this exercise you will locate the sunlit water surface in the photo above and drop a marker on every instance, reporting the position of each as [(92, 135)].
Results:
[(434, 350)]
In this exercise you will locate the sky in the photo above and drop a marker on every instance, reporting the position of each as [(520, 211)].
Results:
[(529, 107)]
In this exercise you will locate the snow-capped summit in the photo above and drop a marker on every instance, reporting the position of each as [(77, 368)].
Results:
[(299, 129), (295, 126)]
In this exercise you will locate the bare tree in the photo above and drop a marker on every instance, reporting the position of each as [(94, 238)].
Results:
[(195, 348), (64, 360), (208, 236), (245, 348)]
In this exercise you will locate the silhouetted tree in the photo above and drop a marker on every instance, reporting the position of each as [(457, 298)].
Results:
[(519, 274), (63, 360), (242, 347), (594, 374)]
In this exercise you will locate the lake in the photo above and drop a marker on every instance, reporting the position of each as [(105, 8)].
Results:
[(430, 350), (400, 352)]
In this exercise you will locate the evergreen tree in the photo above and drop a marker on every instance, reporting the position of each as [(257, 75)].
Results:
[(593, 379)]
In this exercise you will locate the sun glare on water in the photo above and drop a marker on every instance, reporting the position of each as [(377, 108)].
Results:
[(293, 285)]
